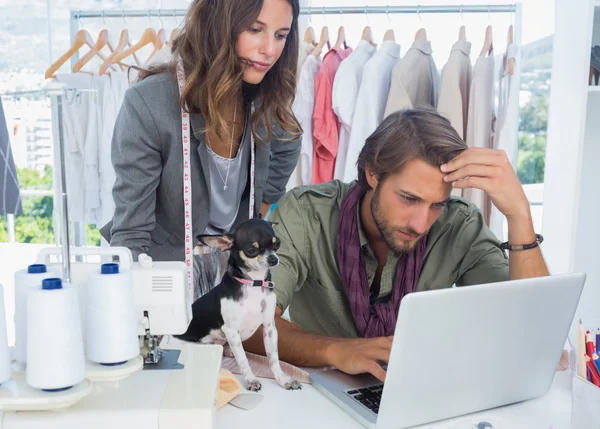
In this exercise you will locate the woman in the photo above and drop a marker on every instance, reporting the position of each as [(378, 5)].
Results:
[(237, 80)]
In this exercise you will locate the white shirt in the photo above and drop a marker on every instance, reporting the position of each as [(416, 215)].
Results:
[(370, 102), (507, 126), (415, 80), (303, 106), (76, 110), (480, 121), (111, 105), (455, 86), (304, 51), (345, 93)]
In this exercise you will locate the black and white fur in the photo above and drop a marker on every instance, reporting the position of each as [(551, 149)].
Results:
[(232, 312)]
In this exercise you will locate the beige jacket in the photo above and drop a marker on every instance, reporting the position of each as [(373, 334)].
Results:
[(455, 87), (415, 80)]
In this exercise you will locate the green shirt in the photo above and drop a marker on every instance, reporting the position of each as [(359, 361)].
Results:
[(461, 250)]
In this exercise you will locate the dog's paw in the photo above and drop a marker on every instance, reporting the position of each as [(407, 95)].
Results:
[(290, 384), (253, 385), (293, 385)]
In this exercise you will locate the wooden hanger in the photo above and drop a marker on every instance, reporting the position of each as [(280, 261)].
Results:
[(323, 40), (101, 42), (389, 35), (488, 44), (462, 33), (511, 61), (309, 36), (81, 38), (123, 43), (421, 34), (159, 42), (341, 38), (148, 37), (367, 35)]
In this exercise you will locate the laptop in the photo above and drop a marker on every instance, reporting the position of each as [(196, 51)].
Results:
[(461, 350)]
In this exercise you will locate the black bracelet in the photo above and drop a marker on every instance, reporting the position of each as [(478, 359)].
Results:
[(538, 240)]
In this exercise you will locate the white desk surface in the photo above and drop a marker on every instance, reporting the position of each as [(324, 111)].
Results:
[(309, 409)]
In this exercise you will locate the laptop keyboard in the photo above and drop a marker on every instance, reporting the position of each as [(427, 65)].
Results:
[(370, 397)]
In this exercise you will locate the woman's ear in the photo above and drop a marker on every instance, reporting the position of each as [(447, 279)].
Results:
[(221, 242)]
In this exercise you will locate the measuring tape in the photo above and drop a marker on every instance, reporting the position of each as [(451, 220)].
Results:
[(187, 182)]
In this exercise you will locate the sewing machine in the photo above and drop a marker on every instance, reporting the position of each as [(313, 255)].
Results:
[(178, 385)]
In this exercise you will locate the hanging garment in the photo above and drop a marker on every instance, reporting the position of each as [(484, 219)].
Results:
[(480, 124), (506, 137), (326, 125), (303, 107), (91, 156), (10, 200), (111, 105), (345, 93), (370, 102), (76, 112), (455, 85), (415, 80), (304, 51)]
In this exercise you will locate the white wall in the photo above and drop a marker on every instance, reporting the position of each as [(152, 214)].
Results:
[(572, 180), (566, 123), (596, 35)]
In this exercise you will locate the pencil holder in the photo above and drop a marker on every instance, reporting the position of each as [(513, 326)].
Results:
[(585, 405)]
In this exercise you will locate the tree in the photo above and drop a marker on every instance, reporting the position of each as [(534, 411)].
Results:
[(35, 225), (533, 127)]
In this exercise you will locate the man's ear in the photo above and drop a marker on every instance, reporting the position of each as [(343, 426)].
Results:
[(372, 179), (221, 242)]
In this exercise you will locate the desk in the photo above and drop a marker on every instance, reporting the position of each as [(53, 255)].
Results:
[(308, 409)]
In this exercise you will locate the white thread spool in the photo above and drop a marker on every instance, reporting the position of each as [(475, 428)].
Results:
[(26, 280), (111, 329), (55, 357), (5, 360)]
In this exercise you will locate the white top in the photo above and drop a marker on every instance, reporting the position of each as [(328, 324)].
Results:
[(507, 127), (303, 106), (79, 115), (345, 94), (415, 80), (225, 200), (455, 85), (111, 105), (480, 121), (370, 102), (304, 51)]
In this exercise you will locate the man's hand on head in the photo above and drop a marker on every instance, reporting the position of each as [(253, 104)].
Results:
[(491, 171)]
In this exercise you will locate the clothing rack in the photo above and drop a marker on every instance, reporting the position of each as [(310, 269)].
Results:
[(515, 8)]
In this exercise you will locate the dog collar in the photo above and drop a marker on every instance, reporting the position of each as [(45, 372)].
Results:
[(255, 283)]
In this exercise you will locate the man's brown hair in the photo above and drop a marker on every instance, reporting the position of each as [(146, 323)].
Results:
[(420, 133)]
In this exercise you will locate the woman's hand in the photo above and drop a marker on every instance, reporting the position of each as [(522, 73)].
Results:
[(264, 209)]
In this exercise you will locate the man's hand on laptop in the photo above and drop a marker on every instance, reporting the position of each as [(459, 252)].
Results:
[(361, 355)]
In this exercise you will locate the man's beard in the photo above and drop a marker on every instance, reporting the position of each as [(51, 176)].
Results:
[(387, 232)]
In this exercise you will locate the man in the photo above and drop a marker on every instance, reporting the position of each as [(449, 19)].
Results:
[(349, 252)]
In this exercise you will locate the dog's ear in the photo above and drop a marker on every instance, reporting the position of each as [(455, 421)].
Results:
[(221, 242)]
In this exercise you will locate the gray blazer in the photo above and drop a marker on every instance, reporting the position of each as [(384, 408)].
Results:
[(147, 157)]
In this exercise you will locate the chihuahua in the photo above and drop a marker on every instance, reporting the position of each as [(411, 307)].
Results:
[(233, 310)]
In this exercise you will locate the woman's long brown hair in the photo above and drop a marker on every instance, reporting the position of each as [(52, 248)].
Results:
[(214, 72)]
